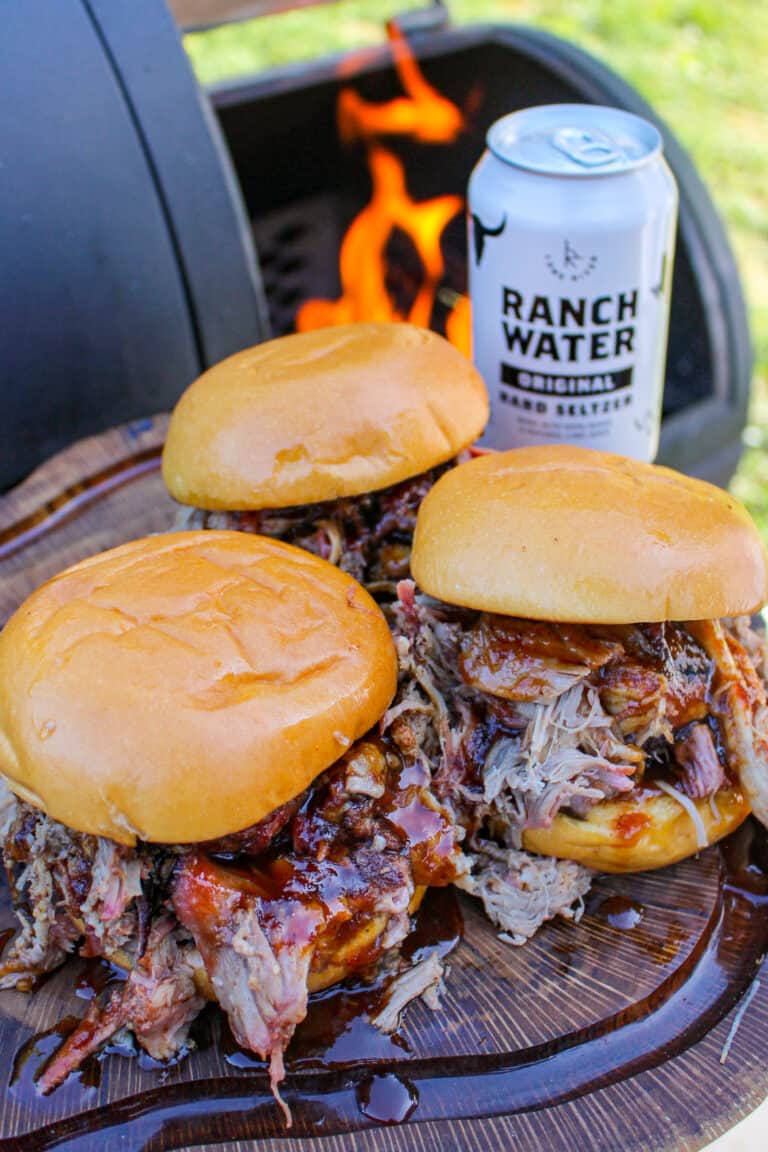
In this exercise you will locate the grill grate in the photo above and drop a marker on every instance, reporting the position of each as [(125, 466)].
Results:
[(298, 250)]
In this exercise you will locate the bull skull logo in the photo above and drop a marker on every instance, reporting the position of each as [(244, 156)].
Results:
[(479, 233)]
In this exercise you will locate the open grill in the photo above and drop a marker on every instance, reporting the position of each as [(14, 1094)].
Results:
[(303, 186), (144, 274)]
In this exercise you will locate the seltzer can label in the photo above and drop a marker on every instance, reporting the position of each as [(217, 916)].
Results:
[(572, 218)]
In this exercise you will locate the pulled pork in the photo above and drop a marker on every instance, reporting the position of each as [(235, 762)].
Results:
[(368, 536), (523, 719), (71, 891), (158, 1002), (519, 891), (424, 980), (249, 920)]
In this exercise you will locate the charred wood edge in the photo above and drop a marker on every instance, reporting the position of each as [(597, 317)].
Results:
[(665, 1024), (75, 498)]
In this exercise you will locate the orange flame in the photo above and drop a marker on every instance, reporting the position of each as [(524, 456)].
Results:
[(422, 115), (362, 259), (458, 326)]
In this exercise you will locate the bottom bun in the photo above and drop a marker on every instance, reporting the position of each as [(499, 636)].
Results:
[(338, 954), (342, 954), (647, 830)]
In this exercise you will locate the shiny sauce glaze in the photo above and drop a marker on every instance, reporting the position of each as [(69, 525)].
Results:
[(641, 672), (528, 660), (96, 977), (731, 936), (379, 799), (631, 825), (669, 651), (338, 1029), (32, 1056), (619, 911), (532, 660), (369, 831), (387, 1098), (650, 677)]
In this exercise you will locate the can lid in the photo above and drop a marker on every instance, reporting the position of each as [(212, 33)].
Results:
[(574, 140)]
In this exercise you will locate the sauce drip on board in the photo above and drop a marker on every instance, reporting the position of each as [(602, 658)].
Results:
[(387, 1098), (619, 911), (715, 965), (338, 1028)]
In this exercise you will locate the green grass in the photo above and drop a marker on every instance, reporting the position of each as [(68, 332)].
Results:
[(701, 63)]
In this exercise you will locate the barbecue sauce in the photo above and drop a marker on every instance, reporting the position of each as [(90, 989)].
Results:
[(529, 660), (33, 1055), (337, 1029), (619, 911), (663, 658), (631, 825), (96, 977), (387, 1098), (692, 994)]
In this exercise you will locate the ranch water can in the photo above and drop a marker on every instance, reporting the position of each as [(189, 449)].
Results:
[(572, 216)]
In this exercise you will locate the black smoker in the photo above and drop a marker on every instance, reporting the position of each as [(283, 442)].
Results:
[(155, 276)]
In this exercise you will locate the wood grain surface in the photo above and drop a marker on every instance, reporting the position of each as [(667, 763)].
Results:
[(600, 1035)]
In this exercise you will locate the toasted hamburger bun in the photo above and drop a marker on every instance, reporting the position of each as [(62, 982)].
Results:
[(340, 955), (336, 956), (574, 535), (648, 829), (320, 415), (182, 687)]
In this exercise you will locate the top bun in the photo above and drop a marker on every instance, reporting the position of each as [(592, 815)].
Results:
[(180, 688), (575, 535), (319, 415)]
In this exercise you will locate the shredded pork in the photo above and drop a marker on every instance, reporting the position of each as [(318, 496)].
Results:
[(70, 890), (520, 891), (566, 756), (521, 720), (246, 920), (739, 703), (158, 1002), (695, 754), (368, 536), (497, 726), (258, 934), (423, 981), (258, 964)]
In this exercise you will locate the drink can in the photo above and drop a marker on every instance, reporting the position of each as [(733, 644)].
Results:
[(572, 218)]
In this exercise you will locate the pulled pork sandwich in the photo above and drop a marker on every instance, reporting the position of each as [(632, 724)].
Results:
[(328, 440), (191, 790), (580, 669)]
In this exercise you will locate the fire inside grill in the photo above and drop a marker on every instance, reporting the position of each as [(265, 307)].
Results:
[(392, 218), (307, 189)]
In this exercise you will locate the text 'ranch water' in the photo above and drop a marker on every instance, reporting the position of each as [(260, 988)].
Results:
[(572, 217)]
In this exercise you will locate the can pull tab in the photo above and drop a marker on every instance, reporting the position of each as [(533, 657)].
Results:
[(590, 149)]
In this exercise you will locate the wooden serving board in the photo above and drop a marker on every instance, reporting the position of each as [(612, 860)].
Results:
[(607, 1034)]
